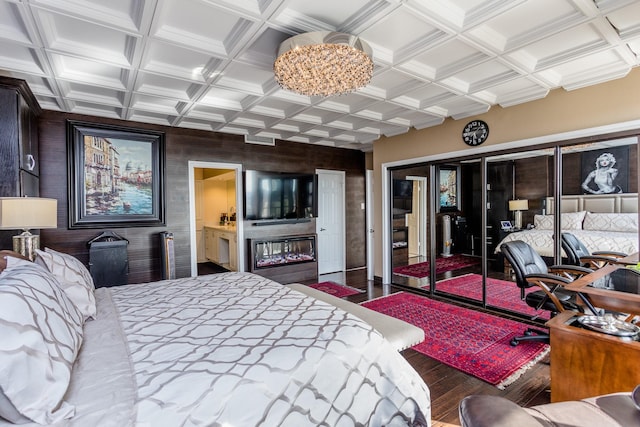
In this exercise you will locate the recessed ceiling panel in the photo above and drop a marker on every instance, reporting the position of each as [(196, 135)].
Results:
[(67, 35), (156, 85), (154, 104), (12, 25), (126, 14), (409, 29), (93, 94), (246, 78), (196, 24), (524, 23), (15, 57), (512, 92), (330, 12), (443, 60), (171, 60), (83, 107), (625, 20), (208, 64), (565, 46), (89, 72), (222, 98)]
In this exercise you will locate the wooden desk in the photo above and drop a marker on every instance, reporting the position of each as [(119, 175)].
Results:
[(585, 363), (606, 298), (630, 260)]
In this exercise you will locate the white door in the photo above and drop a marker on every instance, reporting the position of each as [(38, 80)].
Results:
[(369, 213), (330, 224), (417, 220)]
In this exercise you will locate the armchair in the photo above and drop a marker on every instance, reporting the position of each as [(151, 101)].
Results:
[(610, 410), (531, 270), (578, 254)]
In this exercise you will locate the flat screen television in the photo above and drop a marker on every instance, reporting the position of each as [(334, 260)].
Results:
[(402, 189), (280, 195), (402, 197)]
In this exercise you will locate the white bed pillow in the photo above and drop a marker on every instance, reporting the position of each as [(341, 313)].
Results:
[(74, 278), (543, 222), (41, 332), (572, 220), (569, 221), (626, 222)]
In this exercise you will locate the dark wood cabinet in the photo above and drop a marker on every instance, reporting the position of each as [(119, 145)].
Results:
[(19, 167), (19, 158)]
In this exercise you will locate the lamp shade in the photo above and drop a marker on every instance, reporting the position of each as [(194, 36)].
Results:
[(518, 205), (28, 212)]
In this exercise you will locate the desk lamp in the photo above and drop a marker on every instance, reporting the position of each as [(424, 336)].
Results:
[(26, 213)]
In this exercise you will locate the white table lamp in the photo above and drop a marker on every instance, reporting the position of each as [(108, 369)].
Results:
[(26, 213), (517, 206)]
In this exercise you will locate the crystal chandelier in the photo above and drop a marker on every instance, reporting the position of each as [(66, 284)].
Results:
[(323, 63)]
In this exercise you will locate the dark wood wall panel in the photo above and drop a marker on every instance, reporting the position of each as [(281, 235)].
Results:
[(183, 145), (532, 178)]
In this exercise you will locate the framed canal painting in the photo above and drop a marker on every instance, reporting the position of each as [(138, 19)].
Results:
[(116, 176), (449, 185)]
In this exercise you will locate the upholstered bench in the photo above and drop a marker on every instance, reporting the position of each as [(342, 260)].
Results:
[(399, 333)]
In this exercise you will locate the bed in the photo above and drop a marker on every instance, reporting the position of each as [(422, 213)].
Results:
[(601, 222), (229, 349)]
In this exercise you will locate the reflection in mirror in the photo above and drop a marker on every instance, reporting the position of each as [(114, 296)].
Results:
[(410, 248), (599, 205), (520, 206), (458, 230), (517, 184)]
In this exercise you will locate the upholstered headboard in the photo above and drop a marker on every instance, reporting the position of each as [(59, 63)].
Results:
[(597, 203)]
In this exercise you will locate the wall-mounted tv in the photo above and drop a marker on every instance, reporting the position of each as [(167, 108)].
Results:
[(279, 195), (402, 197), (402, 189)]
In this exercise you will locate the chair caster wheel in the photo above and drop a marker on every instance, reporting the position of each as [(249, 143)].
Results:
[(513, 343), (528, 333)]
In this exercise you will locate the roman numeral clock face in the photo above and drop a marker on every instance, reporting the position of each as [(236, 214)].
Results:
[(475, 133)]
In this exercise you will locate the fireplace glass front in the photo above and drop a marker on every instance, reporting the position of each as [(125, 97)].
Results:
[(278, 252)]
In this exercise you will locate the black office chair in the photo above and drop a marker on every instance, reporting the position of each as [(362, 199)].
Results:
[(531, 270), (578, 254)]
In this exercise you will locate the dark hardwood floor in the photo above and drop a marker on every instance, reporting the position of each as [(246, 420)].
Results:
[(448, 385), (210, 268)]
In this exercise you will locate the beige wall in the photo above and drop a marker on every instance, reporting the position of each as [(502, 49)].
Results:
[(608, 103)]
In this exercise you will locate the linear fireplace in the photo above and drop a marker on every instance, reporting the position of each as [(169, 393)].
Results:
[(284, 258)]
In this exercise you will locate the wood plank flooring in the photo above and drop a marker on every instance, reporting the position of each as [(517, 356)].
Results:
[(449, 386)]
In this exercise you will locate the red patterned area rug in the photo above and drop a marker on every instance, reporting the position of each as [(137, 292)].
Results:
[(421, 269), (500, 293), (336, 289), (473, 342)]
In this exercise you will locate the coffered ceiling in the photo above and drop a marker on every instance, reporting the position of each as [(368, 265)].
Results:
[(207, 64)]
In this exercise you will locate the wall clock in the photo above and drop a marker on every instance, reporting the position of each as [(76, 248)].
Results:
[(475, 133)]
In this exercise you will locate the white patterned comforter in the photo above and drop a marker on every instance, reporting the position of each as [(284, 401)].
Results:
[(594, 240), (236, 349)]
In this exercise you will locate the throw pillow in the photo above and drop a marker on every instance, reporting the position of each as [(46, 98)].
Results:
[(3, 258), (41, 337), (74, 279)]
